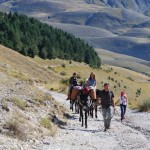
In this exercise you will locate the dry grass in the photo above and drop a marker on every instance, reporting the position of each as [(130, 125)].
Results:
[(145, 105), (119, 80), (37, 71), (46, 123), (16, 126), (19, 103)]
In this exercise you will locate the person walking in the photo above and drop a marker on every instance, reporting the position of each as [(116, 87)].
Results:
[(72, 82), (107, 102), (123, 104)]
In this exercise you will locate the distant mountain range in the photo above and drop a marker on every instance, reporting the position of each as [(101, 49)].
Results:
[(121, 26), (141, 6)]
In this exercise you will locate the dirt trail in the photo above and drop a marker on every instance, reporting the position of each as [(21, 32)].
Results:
[(133, 133)]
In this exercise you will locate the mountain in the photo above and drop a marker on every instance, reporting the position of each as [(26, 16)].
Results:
[(120, 26), (142, 6)]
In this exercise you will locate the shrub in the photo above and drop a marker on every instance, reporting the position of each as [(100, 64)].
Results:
[(138, 92), (125, 86), (70, 62), (109, 78), (130, 78), (78, 76), (63, 73), (145, 105), (64, 81), (115, 86), (49, 67), (112, 79), (63, 65), (46, 123), (15, 127), (19, 103)]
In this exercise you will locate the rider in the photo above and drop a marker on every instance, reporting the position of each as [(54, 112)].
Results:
[(92, 81), (72, 82), (107, 100)]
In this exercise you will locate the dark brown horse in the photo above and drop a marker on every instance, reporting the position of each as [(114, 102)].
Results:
[(84, 106)]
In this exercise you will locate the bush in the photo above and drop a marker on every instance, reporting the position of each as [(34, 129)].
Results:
[(138, 92), (70, 62), (78, 76), (130, 78), (145, 105), (109, 78), (15, 127), (64, 81), (63, 73), (112, 79), (63, 65)]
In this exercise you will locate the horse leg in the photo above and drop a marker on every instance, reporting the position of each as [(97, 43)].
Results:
[(80, 114), (85, 118), (71, 105), (96, 112), (91, 111)]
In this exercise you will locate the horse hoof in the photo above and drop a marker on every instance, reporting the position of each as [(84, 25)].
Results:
[(96, 116), (85, 126), (79, 119)]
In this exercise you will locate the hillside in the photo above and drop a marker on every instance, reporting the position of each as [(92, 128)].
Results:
[(125, 19), (27, 107), (135, 5), (30, 37)]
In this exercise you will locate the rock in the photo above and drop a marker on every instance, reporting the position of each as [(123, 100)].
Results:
[(46, 142), (5, 108)]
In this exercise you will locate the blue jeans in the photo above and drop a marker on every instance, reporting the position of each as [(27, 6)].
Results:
[(123, 111), (107, 115)]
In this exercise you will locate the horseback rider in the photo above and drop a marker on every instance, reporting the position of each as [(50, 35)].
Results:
[(107, 100), (72, 82), (91, 82)]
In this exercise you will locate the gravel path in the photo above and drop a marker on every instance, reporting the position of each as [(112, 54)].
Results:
[(133, 133)]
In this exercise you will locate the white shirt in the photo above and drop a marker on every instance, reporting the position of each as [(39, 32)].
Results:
[(123, 100)]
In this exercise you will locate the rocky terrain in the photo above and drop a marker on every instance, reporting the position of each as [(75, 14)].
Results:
[(33, 117), (21, 128)]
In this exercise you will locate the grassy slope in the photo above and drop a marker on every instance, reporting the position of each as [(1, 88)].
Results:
[(24, 68), (125, 61), (140, 81)]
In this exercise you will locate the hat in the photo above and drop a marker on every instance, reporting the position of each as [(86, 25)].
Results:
[(74, 73)]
